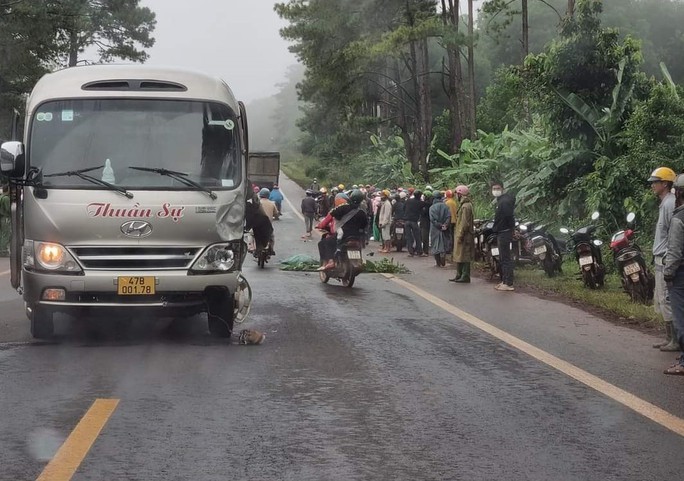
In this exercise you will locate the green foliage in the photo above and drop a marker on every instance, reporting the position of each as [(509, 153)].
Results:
[(504, 103), (583, 61), (524, 159), (385, 265), (386, 163)]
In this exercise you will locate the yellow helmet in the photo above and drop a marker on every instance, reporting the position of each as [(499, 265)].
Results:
[(664, 174), (341, 186)]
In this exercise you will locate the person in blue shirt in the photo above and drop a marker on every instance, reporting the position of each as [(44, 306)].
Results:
[(277, 198)]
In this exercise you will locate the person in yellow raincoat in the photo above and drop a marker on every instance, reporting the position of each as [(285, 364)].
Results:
[(464, 239)]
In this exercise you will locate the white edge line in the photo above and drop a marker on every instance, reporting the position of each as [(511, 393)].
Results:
[(292, 207), (4, 273), (640, 406)]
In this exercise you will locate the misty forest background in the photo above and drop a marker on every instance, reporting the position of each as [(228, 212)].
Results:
[(571, 102)]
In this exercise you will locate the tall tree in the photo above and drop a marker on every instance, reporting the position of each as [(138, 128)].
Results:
[(458, 107), (471, 69), (115, 28)]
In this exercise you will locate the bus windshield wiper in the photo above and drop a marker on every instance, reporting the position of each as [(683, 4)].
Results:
[(179, 176), (81, 173)]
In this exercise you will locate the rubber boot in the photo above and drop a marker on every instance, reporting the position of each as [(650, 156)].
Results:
[(465, 273), (437, 261), (459, 272), (673, 345), (668, 336)]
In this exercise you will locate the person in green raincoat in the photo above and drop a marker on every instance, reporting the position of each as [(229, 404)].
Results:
[(5, 224), (464, 239)]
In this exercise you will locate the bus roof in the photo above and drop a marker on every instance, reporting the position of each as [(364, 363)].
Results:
[(130, 81)]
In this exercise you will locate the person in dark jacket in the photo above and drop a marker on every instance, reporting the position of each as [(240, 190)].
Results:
[(504, 223), (308, 211), (673, 271), (414, 207), (425, 224)]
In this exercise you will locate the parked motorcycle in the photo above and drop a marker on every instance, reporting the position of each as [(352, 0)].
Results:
[(478, 225), (397, 234), (491, 249), (544, 248), (348, 263), (521, 250), (588, 254), (637, 280)]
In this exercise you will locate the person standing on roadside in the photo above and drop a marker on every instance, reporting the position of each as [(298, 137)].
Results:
[(661, 181), (673, 271), (414, 207), (504, 223), (308, 211), (440, 223), (384, 221), (464, 239), (425, 224), (451, 203)]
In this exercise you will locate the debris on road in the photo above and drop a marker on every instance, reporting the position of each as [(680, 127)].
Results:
[(251, 336)]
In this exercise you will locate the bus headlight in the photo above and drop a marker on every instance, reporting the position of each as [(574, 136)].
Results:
[(218, 258), (49, 256)]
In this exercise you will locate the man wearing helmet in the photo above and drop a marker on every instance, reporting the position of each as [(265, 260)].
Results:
[(325, 201), (661, 181), (348, 221), (464, 239), (673, 271), (277, 198), (268, 205), (314, 185)]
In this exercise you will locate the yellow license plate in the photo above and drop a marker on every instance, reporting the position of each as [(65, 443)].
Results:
[(136, 286)]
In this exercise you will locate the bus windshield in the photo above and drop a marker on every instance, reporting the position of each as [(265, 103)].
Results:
[(198, 139)]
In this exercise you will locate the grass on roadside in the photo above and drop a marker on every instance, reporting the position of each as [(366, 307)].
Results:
[(296, 172), (610, 299)]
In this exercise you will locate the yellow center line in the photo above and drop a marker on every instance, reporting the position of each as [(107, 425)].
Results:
[(640, 406), (74, 450)]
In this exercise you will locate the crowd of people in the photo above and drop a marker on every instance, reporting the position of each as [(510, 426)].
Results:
[(435, 222)]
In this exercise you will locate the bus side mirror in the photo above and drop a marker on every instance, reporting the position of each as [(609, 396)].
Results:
[(12, 159)]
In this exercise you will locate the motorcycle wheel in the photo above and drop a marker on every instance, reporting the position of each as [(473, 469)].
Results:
[(324, 277), (549, 266), (261, 260), (589, 279), (638, 292), (348, 281)]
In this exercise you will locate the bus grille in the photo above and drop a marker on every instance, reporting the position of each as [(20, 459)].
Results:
[(135, 258)]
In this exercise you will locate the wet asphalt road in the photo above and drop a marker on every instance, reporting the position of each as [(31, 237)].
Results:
[(372, 383)]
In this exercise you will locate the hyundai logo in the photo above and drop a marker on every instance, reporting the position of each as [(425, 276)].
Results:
[(136, 228)]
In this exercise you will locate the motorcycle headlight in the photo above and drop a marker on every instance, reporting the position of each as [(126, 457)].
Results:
[(49, 256), (222, 257)]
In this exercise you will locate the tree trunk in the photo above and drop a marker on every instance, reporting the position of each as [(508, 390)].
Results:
[(455, 90), (424, 100), (73, 48), (571, 8), (471, 70), (525, 30)]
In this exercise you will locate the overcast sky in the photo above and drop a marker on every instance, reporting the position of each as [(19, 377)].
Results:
[(237, 40)]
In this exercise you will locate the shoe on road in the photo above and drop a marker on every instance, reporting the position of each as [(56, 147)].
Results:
[(504, 287)]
